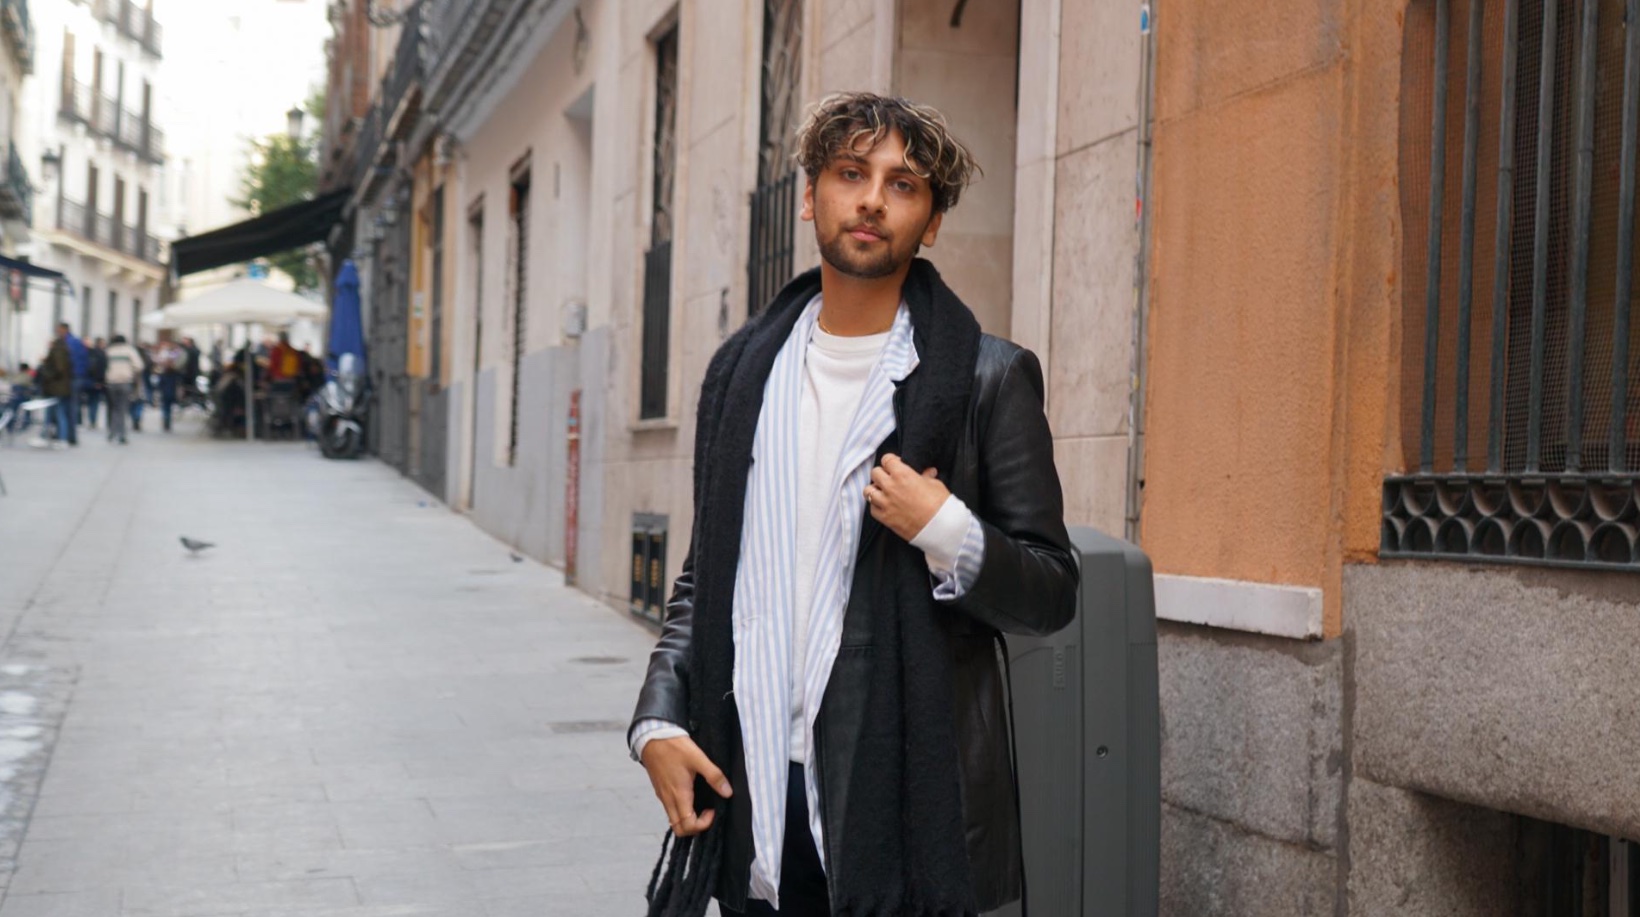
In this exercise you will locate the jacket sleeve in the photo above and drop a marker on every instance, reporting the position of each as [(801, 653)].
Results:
[(1028, 576), (665, 693)]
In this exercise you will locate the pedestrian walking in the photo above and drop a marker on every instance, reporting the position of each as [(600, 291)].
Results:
[(143, 394), (168, 363), (55, 379), (124, 365), (875, 503), (96, 358), (79, 360)]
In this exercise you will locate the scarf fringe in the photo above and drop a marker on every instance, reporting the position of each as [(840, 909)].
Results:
[(682, 885)]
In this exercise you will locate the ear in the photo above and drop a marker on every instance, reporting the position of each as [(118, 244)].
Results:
[(932, 231), (807, 215)]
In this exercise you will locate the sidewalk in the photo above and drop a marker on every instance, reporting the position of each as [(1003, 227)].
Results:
[(356, 705)]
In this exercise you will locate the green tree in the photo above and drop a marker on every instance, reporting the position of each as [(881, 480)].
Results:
[(283, 170)]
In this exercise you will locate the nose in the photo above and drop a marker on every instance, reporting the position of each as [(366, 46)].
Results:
[(874, 201)]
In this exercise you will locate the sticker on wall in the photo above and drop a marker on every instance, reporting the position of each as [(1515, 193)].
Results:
[(1144, 19)]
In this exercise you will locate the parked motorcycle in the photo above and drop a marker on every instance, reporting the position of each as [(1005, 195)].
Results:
[(338, 424)]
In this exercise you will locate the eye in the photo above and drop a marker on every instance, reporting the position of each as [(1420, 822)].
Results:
[(904, 187), (850, 174)]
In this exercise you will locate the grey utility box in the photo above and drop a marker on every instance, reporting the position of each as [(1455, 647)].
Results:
[(1088, 727)]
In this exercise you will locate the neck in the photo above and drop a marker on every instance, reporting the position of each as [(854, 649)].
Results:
[(854, 306)]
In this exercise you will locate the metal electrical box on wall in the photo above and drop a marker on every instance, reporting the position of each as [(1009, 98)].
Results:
[(1088, 727)]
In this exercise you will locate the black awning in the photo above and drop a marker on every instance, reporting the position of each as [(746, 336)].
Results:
[(282, 230), (29, 270)]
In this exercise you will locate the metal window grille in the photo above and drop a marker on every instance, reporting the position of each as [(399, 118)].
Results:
[(435, 359), (521, 235), (1518, 149), (1568, 872), (769, 262), (85, 312), (136, 317), (657, 263), (113, 312)]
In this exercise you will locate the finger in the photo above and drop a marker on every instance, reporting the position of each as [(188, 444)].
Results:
[(892, 462), (714, 777), (695, 824), (931, 472), (880, 477)]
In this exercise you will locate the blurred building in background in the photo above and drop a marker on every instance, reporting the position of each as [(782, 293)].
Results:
[(17, 61), (94, 129), (1333, 303)]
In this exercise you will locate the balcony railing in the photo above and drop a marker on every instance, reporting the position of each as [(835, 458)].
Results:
[(141, 137), (19, 30), (16, 192), (76, 101), (133, 21), (105, 115), (104, 230)]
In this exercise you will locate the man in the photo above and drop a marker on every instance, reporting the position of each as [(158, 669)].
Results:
[(168, 361), (96, 358), (875, 501), (55, 379), (124, 364)]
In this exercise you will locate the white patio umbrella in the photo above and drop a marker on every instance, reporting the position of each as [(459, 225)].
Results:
[(242, 302)]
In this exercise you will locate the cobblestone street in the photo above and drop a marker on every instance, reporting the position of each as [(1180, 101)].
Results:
[(355, 705)]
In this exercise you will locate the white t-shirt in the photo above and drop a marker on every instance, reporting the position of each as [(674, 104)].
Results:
[(835, 372)]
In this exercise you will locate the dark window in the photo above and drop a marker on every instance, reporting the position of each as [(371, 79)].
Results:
[(1519, 426), (85, 313), (657, 269), (769, 263), (475, 227), (435, 360), (136, 318), (113, 309), (520, 214), (56, 305)]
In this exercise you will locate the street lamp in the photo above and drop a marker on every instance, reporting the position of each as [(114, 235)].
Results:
[(293, 122), (51, 162)]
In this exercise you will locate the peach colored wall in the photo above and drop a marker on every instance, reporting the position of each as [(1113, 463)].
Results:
[(1273, 287)]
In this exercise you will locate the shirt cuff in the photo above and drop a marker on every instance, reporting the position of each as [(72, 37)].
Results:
[(942, 538), (953, 542), (647, 730)]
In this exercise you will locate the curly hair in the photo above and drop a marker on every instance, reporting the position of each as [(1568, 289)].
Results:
[(843, 120)]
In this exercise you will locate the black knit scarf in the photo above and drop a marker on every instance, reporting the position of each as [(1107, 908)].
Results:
[(905, 853)]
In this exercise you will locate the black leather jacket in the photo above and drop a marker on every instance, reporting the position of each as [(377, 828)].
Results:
[(1026, 585)]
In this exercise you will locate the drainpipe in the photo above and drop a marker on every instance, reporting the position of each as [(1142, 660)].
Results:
[(1141, 277)]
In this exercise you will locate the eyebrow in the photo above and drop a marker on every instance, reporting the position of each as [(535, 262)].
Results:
[(857, 159)]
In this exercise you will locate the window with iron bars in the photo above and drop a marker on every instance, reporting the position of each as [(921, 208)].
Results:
[(769, 262), (1520, 425), (657, 263), (435, 295), (520, 214)]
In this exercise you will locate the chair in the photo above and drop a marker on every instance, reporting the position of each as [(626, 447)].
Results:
[(282, 411)]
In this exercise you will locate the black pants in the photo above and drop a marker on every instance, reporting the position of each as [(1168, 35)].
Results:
[(802, 882)]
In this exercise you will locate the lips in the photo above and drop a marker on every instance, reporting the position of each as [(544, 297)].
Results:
[(865, 234)]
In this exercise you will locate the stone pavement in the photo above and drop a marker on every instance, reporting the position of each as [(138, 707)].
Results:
[(356, 705)]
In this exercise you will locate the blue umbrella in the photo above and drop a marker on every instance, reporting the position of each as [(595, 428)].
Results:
[(346, 326)]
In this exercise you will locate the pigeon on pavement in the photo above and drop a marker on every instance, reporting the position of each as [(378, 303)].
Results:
[(515, 558), (194, 547)]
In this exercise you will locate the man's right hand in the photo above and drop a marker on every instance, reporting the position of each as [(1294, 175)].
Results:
[(673, 765)]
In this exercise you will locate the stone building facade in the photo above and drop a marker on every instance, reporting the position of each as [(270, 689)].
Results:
[(1207, 221)]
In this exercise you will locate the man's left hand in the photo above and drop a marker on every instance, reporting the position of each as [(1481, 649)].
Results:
[(902, 499)]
